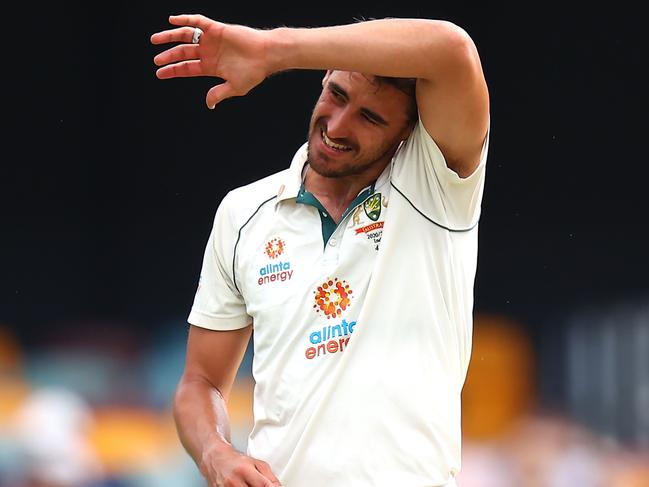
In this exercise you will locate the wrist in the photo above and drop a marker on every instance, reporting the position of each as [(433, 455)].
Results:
[(213, 448), (281, 49), (215, 440)]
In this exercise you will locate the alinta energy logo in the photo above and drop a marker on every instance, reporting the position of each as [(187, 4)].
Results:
[(329, 339), (279, 271), (332, 297), (274, 248)]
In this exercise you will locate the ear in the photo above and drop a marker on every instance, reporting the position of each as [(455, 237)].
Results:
[(326, 77)]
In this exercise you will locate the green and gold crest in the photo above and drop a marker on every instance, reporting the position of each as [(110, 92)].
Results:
[(372, 206)]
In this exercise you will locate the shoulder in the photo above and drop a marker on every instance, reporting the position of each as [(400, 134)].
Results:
[(244, 201), (422, 151), (419, 148)]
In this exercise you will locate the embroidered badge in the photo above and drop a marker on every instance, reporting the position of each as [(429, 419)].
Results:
[(372, 206)]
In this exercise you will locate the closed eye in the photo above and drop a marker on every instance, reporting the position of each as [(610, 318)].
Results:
[(373, 117), (337, 91), (370, 119), (338, 95)]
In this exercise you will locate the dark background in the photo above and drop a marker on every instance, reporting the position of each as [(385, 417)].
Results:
[(111, 177)]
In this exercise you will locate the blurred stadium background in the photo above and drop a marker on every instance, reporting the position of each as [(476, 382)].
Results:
[(106, 212), (570, 409)]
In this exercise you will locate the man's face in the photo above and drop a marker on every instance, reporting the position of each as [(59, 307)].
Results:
[(356, 125)]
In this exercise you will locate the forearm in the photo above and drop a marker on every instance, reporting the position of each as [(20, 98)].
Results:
[(413, 48), (201, 417)]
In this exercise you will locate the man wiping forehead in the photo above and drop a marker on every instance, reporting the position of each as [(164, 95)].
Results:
[(354, 267)]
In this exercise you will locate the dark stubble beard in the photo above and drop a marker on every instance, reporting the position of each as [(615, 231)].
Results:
[(359, 167)]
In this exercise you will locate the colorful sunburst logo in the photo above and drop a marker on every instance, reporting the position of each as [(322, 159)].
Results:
[(274, 248), (332, 297)]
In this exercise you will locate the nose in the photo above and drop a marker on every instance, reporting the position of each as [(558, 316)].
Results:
[(339, 124)]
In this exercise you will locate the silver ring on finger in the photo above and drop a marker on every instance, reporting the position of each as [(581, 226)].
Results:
[(196, 36)]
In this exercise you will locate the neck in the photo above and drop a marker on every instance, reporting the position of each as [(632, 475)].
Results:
[(336, 194)]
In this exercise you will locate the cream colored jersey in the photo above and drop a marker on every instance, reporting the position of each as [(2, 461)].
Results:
[(362, 330)]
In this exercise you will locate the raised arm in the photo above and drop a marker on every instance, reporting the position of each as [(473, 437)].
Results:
[(452, 95), (200, 412)]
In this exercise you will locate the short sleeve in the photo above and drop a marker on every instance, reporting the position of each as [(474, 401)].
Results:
[(218, 305), (421, 175)]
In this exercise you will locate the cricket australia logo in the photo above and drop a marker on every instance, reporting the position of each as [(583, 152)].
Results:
[(332, 297), (274, 248), (372, 206), (374, 230)]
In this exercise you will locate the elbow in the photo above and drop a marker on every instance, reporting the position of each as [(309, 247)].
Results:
[(462, 50), (452, 49), (462, 68)]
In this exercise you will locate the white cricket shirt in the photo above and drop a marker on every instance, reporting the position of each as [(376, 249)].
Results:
[(362, 331)]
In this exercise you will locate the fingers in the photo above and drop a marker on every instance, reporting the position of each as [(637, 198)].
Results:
[(245, 474), (184, 69), (265, 470), (218, 93), (183, 34), (185, 55), (183, 52), (193, 20), (254, 478)]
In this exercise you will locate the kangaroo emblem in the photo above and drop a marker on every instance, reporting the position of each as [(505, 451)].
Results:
[(356, 217)]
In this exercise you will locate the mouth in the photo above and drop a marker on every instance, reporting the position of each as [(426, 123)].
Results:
[(333, 145)]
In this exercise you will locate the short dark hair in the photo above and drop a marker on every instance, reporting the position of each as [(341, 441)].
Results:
[(407, 86)]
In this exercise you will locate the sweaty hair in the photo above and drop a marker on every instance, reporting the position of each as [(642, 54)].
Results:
[(405, 85)]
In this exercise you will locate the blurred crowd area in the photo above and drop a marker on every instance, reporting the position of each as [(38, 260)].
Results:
[(89, 405)]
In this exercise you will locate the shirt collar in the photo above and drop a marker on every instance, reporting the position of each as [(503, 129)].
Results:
[(292, 182), (290, 185)]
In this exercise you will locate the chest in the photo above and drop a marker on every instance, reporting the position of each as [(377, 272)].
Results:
[(292, 257)]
